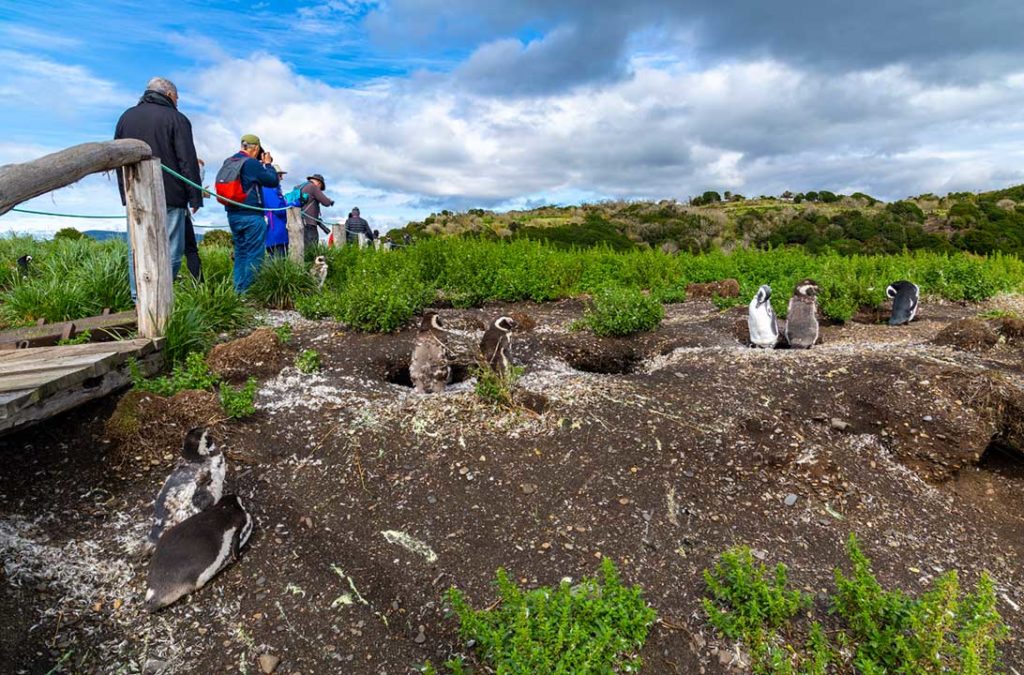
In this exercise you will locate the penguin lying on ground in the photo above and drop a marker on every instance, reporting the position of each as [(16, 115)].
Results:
[(496, 345), (428, 369), (904, 295), (319, 271), (802, 319), (764, 327), (195, 550), (196, 482)]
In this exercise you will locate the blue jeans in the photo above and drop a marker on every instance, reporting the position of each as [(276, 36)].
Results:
[(176, 234), (249, 231)]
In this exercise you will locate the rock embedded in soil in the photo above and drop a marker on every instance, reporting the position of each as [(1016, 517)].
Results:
[(268, 663), (790, 499)]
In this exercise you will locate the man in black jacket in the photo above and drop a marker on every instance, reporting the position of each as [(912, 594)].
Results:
[(156, 121), (356, 225)]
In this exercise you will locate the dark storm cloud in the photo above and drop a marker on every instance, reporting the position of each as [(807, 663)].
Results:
[(584, 41)]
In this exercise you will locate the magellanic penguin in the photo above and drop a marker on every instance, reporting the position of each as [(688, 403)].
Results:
[(195, 550), (429, 369), (23, 264), (802, 319), (764, 327), (319, 271), (496, 345), (904, 295), (196, 483)]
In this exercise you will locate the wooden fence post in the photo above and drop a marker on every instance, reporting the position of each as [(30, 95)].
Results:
[(296, 236), (338, 232), (147, 230)]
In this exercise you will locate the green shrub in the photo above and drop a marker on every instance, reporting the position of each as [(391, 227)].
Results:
[(623, 311), (193, 373), (308, 361), (284, 333), (496, 387), (381, 299), (201, 312), (317, 306), (217, 238), (68, 234), (241, 402), (596, 626), (85, 337), (280, 282)]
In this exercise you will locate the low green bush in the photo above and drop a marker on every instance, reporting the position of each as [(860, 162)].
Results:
[(193, 373), (308, 361), (623, 311), (595, 626), (279, 282), (879, 631), (496, 387), (240, 402)]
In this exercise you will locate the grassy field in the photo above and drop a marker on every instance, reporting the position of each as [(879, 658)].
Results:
[(375, 291)]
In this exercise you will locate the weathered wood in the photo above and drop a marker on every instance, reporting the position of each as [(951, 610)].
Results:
[(47, 334), (338, 234), (21, 182), (21, 409), (147, 229), (296, 236), (361, 239)]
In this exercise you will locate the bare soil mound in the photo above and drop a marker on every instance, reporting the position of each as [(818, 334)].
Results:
[(727, 288), (259, 354), (148, 427), (972, 335)]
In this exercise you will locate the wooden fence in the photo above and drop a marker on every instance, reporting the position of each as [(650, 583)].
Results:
[(146, 206)]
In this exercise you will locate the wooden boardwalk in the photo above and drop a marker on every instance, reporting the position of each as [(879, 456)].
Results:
[(39, 382)]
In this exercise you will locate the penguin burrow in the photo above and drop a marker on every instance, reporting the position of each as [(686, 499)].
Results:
[(192, 552), (904, 296), (761, 320), (196, 483), (802, 317), (429, 369), (496, 345)]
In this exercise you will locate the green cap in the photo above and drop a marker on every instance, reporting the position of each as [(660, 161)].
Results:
[(251, 139), (278, 169)]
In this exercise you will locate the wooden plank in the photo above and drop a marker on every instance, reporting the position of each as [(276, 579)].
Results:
[(147, 228), (296, 236), (140, 346), (48, 382), (51, 332), (14, 418), (21, 182)]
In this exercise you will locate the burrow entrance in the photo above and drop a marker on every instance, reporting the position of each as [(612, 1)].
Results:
[(397, 372)]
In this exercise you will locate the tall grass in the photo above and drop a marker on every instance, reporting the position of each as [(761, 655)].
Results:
[(279, 282), (201, 312)]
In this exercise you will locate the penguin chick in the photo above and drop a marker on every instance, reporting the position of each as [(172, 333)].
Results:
[(904, 296), (496, 345), (319, 270), (195, 550), (429, 368), (802, 319), (761, 320), (196, 482)]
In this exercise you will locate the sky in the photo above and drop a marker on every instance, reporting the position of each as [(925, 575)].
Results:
[(413, 106)]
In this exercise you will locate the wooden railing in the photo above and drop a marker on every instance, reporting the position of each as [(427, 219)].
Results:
[(147, 211)]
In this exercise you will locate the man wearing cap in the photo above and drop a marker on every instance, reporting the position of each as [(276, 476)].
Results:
[(356, 225), (277, 221), (314, 188), (249, 226)]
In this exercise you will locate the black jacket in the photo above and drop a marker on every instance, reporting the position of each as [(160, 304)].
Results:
[(357, 225), (156, 121)]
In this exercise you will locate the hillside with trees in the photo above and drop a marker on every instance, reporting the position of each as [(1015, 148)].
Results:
[(819, 221)]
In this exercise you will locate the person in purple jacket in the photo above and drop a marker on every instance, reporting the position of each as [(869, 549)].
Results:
[(277, 221)]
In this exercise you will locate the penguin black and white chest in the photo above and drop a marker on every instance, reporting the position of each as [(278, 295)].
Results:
[(904, 296), (802, 316), (496, 345), (428, 368), (23, 264), (196, 482), (761, 320), (195, 550), (319, 270)]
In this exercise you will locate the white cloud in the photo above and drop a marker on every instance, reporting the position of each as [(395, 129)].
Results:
[(42, 83)]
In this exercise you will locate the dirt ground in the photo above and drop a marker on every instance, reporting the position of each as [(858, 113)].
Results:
[(658, 451)]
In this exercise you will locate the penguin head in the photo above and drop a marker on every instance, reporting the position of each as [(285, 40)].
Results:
[(320, 261), (431, 321), (807, 288), (232, 506), (505, 323), (764, 294), (890, 291), (199, 445)]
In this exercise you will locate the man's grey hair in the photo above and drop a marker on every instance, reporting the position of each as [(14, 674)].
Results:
[(163, 86)]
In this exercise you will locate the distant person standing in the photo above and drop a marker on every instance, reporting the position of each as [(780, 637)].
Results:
[(277, 221), (314, 189), (240, 179), (156, 120), (356, 225)]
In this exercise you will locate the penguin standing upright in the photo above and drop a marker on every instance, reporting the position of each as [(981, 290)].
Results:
[(496, 345), (196, 482), (319, 271), (802, 316), (193, 551), (764, 327), (429, 368), (904, 295), (23, 264)]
